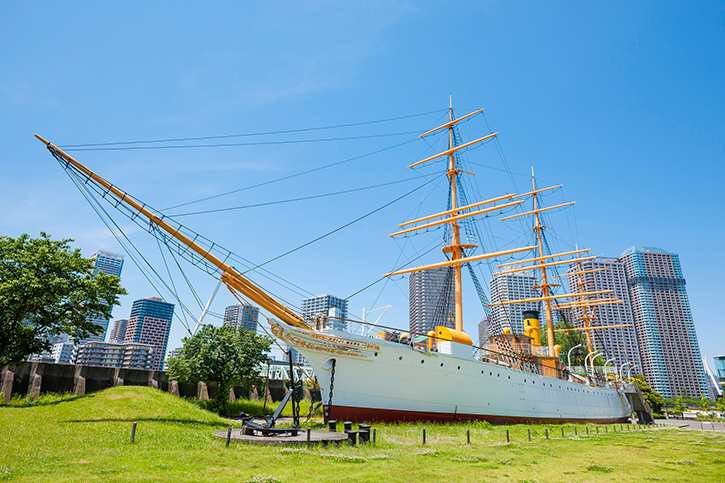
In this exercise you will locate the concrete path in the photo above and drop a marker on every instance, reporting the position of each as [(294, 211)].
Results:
[(316, 437), (694, 424)]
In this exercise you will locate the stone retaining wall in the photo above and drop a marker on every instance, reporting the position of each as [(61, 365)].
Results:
[(43, 377)]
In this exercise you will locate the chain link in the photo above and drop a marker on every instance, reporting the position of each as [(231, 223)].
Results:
[(332, 386)]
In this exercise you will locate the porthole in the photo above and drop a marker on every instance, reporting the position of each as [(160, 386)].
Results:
[(400, 358), (441, 364), (459, 368), (498, 375), (509, 377), (524, 380), (376, 354), (481, 372), (422, 361), (490, 373)]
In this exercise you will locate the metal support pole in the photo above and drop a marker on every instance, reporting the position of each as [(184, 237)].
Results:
[(507, 436), (133, 432), (229, 435), (468, 436), (206, 309), (423, 435)]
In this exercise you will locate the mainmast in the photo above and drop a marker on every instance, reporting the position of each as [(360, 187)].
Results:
[(455, 246), (451, 217)]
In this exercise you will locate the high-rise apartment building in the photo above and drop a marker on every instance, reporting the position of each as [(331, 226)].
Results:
[(720, 367), (665, 330), (106, 354), (110, 264), (326, 305), (150, 323), (512, 286), (484, 331), (431, 299), (619, 344), (242, 315), (118, 334), (63, 353)]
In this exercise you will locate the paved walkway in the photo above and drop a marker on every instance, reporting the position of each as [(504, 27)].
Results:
[(694, 424), (316, 437)]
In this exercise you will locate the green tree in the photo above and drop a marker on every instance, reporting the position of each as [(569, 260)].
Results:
[(679, 406), (46, 289), (720, 405), (224, 355), (704, 403), (653, 398), (568, 340)]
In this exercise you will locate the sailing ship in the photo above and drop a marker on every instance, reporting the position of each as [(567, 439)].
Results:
[(436, 376)]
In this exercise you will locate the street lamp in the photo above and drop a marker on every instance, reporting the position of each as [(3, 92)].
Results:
[(591, 361), (621, 371), (568, 355), (586, 367), (604, 367)]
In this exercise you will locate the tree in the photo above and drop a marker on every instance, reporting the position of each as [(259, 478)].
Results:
[(720, 404), (568, 340), (704, 403), (224, 355), (46, 289), (653, 398), (679, 406)]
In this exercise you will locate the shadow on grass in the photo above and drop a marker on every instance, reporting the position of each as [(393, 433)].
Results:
[(154, 420), (50, 399)]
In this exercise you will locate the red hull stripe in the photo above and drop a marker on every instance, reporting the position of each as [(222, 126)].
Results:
[(355, 414)]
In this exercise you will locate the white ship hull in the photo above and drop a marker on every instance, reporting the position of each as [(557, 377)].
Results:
[(384, 381)]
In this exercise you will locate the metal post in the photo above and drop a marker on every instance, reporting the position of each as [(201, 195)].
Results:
[(575, 432), (206, 309), (507, 436), (133, 432), (374, 430), (562, 431), (468, 436), (529, 429), (309, 431), (229, 435), (587, 427), (266, 385), (597, 429), (423, 435), (546, 430)]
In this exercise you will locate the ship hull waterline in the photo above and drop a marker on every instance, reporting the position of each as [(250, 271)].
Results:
[(376, 380)]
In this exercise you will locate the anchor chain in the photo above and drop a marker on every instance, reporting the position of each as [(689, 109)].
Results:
[(332, 385)]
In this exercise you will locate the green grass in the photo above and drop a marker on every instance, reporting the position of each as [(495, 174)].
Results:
[(65, 438)]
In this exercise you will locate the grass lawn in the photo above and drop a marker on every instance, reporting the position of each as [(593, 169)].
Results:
[(87, 439)]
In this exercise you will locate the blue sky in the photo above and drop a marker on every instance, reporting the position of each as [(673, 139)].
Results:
[(620, 102)]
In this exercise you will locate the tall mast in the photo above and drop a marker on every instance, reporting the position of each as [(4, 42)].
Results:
[(544, 283), (585, 315), (455, 246)]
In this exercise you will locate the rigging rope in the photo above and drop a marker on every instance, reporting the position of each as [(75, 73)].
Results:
[(266, 133)]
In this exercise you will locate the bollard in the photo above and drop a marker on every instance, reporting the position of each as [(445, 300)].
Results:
[(423, 435), (701, 426), (363, 427), (546, 430), (364, 436), (621, 428), (614, 428), (351, 438), (309, 434), (562, 431), (347, 425), (605, 429), (468, 436), (575, 432), (229, 435), (587, 427), (629, 428), (133, 432), (529, 429), (332, 425), (374, 437), (507, 436), (597, 429)]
